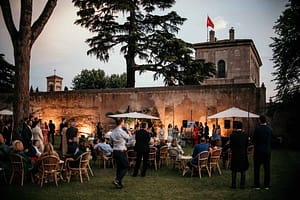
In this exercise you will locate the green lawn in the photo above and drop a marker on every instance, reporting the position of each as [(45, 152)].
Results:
[(167, 183)]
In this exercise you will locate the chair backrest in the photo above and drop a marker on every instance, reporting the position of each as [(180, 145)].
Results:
[(215, 156), (203, 158), (17, 162), (84, 159), (163, 151), (152, 153), (49, 163), (250, 150), (131, 154), (173, 152)]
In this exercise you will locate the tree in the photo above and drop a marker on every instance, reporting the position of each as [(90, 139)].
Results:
[(22, 41), (145, 35), (7, 76), (286, 52), (116, 81), (96, 79)]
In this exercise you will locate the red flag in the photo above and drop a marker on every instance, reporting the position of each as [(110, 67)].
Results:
[(209, 22)]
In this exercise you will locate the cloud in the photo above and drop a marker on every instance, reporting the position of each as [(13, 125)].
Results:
[(220, 23)]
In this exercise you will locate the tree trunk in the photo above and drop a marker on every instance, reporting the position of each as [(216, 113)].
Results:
[(22, 42), (130, 72), (21, 101)]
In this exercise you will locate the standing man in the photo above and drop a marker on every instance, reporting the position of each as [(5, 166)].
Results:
[(142, 139), (206, 131), (262, 152), (99, 130), (72, 138), (239, 158), (118, 138), (51, 131)]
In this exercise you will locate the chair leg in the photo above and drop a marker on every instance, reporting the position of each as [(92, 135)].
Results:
[(55, 178), (200, 176), (22, 178), (90, 170), (208, 171), (80, 175), (12, 176)]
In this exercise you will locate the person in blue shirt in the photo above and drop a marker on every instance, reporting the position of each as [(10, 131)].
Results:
[(198, 148)]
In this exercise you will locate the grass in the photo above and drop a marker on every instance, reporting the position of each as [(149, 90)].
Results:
[(167, 183)]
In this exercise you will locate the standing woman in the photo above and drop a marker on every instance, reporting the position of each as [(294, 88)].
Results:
[(119, 137), (239, 158), (37, 134)]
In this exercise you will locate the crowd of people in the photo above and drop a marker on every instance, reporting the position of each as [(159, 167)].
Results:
[(34, 143)]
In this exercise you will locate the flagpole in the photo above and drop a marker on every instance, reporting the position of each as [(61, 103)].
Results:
[(206, 29), (206, 33)]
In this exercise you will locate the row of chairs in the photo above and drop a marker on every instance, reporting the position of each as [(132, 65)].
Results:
[(51, 166), (207, 161)]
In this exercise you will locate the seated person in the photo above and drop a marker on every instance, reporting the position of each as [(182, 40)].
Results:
[(33, 151), (4, 152), (49, 150), (104, 146), (18, 148), (82, 148), (174, 145), (198, 148)]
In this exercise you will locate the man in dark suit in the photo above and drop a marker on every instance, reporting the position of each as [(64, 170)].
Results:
[(142, 138), (26, 134), (51, 131), (262, 138), (72, 133), (239, 159)]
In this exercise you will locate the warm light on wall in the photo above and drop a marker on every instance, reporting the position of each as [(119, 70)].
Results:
[(85, 130)]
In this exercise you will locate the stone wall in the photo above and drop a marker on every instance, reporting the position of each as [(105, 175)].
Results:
[(171, 104)]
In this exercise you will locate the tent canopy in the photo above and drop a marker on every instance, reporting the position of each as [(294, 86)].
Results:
[(134, 115), (233, 112), (6, 112)]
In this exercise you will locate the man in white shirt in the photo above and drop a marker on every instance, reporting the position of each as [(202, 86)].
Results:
[(118, 138), (104, 146)]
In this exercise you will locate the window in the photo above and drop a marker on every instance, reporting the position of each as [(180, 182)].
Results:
[(221, 69)]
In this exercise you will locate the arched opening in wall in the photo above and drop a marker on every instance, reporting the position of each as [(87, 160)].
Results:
[(221, 69)]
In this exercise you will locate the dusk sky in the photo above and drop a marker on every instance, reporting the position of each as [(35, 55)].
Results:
[(61, 46)]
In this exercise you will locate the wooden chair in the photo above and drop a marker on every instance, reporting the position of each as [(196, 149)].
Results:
[(18, 169), (152, 157), (78, 167), (173, 155), (214, 160), (100, 156), (201, 164), (163, 155), (250, 152), (2, 172), (228, 161), (48, 165), (131, 156)]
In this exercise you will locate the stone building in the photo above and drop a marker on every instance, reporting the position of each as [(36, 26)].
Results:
[(235, 84), (54, 83), (236, 60)]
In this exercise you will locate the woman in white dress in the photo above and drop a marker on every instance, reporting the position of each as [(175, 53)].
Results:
[(37, 134)]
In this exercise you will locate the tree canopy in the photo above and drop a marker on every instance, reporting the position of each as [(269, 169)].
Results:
[(96, 79), (286, 52), (7, 75), (23, 38), (144, 36)]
